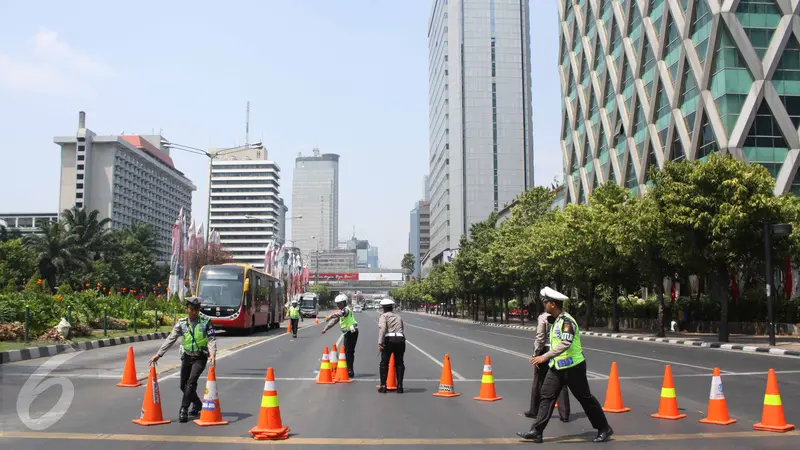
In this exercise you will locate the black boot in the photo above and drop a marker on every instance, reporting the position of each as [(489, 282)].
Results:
[(400, 371), (183, 415), (400, 388), (382, 389), (531, 435), (603, 435), (194, 410)]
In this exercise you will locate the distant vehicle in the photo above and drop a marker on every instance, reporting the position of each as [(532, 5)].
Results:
[(309, 304), (239, 296), (357, 308)]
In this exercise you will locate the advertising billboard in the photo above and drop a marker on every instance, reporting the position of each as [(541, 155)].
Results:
[(392, 276), (336, 276)]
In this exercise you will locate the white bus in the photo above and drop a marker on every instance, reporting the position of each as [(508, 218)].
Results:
[(309, 304)]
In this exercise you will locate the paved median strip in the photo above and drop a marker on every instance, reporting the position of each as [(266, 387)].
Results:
[(328, 441)]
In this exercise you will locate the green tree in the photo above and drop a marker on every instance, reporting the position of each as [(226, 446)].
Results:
[(17, 263), (325, 295), (407, 264), (717, 210), (55, 251), (90, 232)]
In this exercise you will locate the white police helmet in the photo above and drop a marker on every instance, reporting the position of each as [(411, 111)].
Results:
[(387, 302), (341, 298), (552, 294), (294, 301)]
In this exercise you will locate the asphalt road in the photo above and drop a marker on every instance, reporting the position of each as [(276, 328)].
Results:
[(342, 416)]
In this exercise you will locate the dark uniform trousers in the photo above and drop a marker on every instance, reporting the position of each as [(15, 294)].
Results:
[(393, 345), (574, 378), (295, 326), (191, 369), (350, 340), (539, 374)]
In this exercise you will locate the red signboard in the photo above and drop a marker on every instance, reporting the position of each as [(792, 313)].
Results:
[(337, 276)]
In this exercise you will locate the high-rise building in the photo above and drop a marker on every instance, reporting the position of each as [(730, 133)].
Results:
[(315, 196), (128, 179), (419, 238), (649, 82), (481, 139), (373, 260), (426, 188), (245, 206)]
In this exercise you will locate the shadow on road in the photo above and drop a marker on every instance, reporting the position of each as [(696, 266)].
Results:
[(234, 417)]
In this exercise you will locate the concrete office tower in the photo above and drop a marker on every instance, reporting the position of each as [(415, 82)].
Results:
[(128, 179), (245, 206), (648, 82), (419, 238), (426, 188), (481, 141), (315, 196)]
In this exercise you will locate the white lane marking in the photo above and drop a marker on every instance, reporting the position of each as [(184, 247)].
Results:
[(441, 364), (663, 361), (499, 349), (507, 335), (226, 354)]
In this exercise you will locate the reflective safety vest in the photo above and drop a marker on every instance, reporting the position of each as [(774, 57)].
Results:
[(574, 354), (195, 340), (347, 320), (294, 313)]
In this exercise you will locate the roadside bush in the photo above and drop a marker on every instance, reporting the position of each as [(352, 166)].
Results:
[(14, 331), (52, 335)]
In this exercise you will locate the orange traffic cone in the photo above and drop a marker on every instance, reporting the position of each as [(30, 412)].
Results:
[(270, 426), (334, 361), (289, 328), (151, 405), (342, 375), (325, 376), (391, 380), (212, 413), (316, 320), (772, 418), (668, 406), (129, 372), (717, 406), (487, 393), (614, 393), (446, 388)]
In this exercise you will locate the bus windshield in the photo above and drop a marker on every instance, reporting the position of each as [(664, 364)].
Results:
[(221, 286), (308, 303)]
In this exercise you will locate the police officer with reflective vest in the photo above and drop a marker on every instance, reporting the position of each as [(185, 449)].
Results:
[(349, 326), (542, 346), (567, 368), (199, 346), (294, 317), (391, 341)]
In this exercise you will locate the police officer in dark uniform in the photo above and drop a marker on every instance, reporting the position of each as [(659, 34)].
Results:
[(567, 368), (198, 347), (391, 341), (542, 346)]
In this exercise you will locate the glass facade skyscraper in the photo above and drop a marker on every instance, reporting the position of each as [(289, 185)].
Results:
[(650, 81)]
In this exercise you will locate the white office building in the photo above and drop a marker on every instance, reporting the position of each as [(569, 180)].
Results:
[(315, 197), (129, 179), (245, 206), (481, 139)]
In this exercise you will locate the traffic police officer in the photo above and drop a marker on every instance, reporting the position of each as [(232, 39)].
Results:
[(542, 346), (567, 368), (199, 346), (294, 317), (391, 341), (349, 326)]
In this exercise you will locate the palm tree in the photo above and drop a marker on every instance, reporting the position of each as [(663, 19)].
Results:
[(90, 233), (55, 250)]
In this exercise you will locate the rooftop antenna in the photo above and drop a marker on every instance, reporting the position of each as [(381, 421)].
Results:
[(247, 126)]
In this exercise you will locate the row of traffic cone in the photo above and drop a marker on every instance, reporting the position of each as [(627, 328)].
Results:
[(447, 389), (772, 416), (269, 427), (333, 369)]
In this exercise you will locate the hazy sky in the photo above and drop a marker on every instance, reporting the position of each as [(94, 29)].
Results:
[(347, 76)]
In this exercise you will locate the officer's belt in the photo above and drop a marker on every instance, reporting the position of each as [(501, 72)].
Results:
[(394, 335)]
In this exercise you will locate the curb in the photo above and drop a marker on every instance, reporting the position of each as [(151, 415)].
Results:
[(25, 354), (684, 342)]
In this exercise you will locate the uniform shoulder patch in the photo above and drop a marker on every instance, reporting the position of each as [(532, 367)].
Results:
[(567, 330)]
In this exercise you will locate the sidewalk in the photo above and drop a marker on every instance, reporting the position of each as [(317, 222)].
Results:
[(785, 345)]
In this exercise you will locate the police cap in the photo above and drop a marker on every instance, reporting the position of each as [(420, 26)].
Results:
[(194, 301), (549, 294), (387, 302)]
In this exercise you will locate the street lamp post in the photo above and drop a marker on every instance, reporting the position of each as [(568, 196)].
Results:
[(200, 151), (777, 230)]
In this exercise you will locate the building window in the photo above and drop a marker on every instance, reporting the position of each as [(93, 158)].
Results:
[(81, 157)]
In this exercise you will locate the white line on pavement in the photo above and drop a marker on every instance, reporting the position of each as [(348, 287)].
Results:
[(455, 374), (226, 354), (499, 349)]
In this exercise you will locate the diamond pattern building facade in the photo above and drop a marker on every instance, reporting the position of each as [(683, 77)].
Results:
[(648, 81)]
